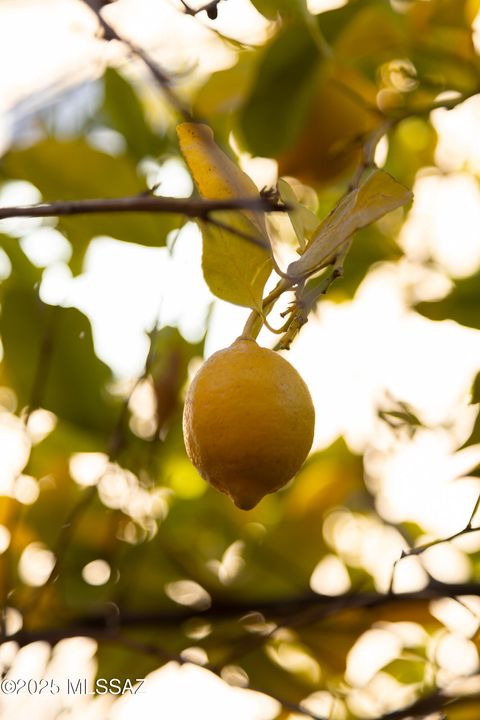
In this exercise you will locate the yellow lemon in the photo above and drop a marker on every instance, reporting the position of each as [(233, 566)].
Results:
[(248, 422)]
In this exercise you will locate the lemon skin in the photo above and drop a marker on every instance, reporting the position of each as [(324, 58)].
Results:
[(248, 422)]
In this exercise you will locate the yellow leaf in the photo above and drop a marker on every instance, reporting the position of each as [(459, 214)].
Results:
[(235, 270), (216, 176), (376, 196), (235, 267)]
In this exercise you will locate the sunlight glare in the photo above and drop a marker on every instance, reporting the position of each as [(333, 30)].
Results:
[(36, 563), (372, 651), (190, 691), (330, 577), (87, 468)]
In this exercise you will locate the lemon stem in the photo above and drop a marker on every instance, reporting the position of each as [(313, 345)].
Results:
[(256, 320)]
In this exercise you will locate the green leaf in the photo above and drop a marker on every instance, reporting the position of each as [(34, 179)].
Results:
[(460, 305), (125, 114), (378, 195), (276, 109), (73, 170)]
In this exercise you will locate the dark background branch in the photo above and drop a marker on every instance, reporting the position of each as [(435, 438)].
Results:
[(271, 609)]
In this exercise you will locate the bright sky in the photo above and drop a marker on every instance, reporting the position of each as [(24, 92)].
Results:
[(351, 355)]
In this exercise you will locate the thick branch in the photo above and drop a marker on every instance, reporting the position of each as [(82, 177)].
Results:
[(191, 207)]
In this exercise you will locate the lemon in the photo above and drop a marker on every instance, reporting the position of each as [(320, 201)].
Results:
[(248, 422)]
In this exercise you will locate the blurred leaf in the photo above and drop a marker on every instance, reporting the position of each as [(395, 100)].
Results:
[(235, 268), (270, 676), (296, 9), (277, 106), (378, 195), (73, 170), (329, 479), (331, 640), (330, 138), (370, 246), (225, 90), (443, 48), (52, 455), (170, 356), (126, 115), (463, 708), (26, 273), (407, 672), (476, 390), (126, 663), (460, 305), (474, 437), (296, 97), (374, 34), (52, 348), (411, 145)]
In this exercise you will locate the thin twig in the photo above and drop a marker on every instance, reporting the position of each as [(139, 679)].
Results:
[(467, 530), (43, 362), (115, 445), (161, 77), (36, 395), (426, 706)]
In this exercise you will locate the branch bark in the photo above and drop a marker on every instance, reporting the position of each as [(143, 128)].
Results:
[(191, 207)]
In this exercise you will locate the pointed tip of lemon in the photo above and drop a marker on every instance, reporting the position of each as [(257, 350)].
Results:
[(245, 504), (246, 501)]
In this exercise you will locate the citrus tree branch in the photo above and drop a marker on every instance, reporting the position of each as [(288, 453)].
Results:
[(191, 207), (324, 606), (302, 307), (159, 74)]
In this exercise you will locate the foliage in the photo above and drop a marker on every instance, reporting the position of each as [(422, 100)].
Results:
[(186, 566)]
